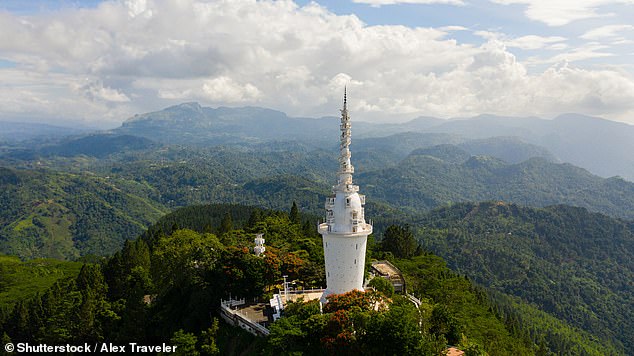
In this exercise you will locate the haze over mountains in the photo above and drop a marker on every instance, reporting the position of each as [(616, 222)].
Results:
[(20, 131), (603, 147)]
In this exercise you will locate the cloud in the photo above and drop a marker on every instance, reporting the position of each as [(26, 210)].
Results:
[(534, 42), (453, 28), (528, 42), (562, 12), (225, 89), (587, 51), (125, 57), (607, 32), (96, 91), (378, 3)]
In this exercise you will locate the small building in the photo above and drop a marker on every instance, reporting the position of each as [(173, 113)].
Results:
[(385, 269)]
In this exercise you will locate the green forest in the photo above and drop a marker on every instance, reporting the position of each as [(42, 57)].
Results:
[(542, 266), (166, 286)]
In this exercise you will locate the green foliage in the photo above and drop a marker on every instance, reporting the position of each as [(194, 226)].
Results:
[(294, 214), (226, 225), (72, 310), (445, 324), (399, 241), (185, 343), (208, 339), (352, 325), (62, 215), (183, 259), (22, 280), (451, 305), (429, 180), (168, 279), (382, 285), (568, 262)]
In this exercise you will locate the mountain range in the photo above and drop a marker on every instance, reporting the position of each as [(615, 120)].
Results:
[(602, 146), (262, 157), (549, 232)]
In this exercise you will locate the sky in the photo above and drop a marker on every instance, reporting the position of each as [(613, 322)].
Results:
[(98, 63)]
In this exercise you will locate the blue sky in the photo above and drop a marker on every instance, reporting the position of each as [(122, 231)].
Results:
[(103, 61)]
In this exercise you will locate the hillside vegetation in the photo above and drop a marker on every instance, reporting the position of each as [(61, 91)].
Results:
[(64, 216), (23, 280), (186, 271), (48, 213), (575, 265), (441, 175)]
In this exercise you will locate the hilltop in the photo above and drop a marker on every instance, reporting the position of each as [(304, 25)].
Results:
[(193, 257)]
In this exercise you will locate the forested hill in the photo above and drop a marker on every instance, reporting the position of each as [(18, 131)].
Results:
[(111, 199), (439, 175), (62, 215), (192, 124), (576, 265), (187, 270)]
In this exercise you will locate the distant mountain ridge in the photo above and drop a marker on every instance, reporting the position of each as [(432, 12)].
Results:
[(601, 146), (98, 145), (604, 147), (193, 124), (446, 174), (20, 131)]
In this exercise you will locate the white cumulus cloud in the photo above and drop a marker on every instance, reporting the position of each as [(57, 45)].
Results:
[(127, 57), (562, 12)]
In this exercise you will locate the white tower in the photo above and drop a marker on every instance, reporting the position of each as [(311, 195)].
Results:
[(345, 232), (259, 245)]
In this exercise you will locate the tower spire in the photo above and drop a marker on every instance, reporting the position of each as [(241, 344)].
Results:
[(344, 231), (345, 167), (345, 98)]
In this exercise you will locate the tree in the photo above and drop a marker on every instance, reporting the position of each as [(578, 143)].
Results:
[(394, 332), (382, 285), (400, 241), (244, 272), (184, 259), (444, 323), (207, 340), (226, 224), (294, 216), (254, 218), (185, 343)]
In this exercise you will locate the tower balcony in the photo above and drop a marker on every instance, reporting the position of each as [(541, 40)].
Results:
[(330, 203), (346, 169)]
